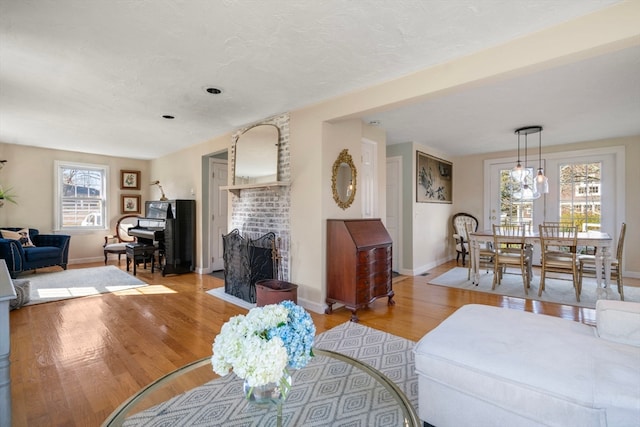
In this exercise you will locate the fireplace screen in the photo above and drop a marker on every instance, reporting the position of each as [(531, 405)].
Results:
[(247, 261)]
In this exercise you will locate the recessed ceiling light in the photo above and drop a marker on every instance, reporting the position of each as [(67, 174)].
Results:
[(213, 90), (168, 117)]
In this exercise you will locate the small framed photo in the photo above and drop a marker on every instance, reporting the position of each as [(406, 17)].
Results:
[(129, 180), (130, 203)]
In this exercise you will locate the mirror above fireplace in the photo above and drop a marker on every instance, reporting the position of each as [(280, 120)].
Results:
[(255, 157)]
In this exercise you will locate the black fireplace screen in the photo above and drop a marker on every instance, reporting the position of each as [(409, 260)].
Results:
[(247, 261)]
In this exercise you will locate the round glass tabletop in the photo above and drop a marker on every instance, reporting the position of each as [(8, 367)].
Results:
[(332, 387)]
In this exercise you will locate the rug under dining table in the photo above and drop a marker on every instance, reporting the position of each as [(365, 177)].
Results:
[(556, 290)]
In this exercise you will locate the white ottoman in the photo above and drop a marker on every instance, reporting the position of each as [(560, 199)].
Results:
[(491, 366)]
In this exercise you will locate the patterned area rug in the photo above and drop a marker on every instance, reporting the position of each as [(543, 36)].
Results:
[(323, 392), (78, 282), (556, 290)]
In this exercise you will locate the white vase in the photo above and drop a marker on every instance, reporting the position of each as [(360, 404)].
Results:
[(268, 394)]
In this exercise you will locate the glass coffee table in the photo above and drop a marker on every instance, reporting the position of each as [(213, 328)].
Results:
[(332, 388)]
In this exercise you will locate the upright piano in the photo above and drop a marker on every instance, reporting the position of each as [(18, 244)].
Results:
[(171, 225)]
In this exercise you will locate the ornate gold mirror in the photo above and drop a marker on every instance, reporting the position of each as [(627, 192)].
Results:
[(343, 180), (256, 155)]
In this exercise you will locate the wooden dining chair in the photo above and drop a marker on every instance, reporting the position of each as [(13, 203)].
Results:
[(558, 244), (528, 229), (510, 251), (566, 225), (486, 253), (560, 225), (587, 264)]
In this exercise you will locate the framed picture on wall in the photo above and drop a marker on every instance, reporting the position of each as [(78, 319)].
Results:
[(129, 180), (434, 179), (130, 203)]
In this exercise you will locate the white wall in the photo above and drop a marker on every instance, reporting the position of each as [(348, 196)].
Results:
[(431, 229), (181, 171), (30, 172)]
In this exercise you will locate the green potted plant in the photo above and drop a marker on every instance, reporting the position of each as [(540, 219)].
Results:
[(6, 195)]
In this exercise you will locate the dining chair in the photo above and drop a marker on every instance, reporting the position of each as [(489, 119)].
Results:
[(587, 264), (485, 256), (558, 244), (561, 225), (528, 229), (459, 222), (565, 225), (117, 243), (510, 251)]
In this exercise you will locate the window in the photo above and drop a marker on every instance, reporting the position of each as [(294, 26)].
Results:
[(580, 194), (81, 197), (514, 211), (582, 190), (585, 187)]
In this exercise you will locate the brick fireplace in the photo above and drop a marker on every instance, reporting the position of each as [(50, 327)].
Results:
[(259, 211)]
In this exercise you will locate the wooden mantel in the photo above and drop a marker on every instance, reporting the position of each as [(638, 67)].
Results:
[(236, 189)]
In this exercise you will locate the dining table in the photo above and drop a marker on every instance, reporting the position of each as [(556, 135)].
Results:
[(601, 241)]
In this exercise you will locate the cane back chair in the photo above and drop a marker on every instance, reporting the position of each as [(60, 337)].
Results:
[(459, 221), (117, 243)]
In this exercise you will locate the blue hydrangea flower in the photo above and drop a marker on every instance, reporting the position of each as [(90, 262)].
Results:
[(262, 345)]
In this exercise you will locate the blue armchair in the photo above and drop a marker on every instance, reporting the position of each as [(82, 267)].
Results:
[(49, 250)]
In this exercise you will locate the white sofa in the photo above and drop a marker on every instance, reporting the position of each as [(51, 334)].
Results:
[(491, 366)]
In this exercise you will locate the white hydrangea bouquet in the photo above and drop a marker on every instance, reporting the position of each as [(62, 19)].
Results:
[(261, 346)]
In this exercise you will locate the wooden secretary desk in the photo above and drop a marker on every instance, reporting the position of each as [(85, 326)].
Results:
[(358, 263)]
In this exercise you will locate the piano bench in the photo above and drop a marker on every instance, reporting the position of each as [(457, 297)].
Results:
[(138, 252)]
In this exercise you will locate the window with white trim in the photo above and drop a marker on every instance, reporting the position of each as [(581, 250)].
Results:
[(81, 196), (585, 187), (580, 193)]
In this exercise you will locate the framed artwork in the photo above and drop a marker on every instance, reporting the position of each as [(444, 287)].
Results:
[(129, 180), (130, 203), (434, 179)]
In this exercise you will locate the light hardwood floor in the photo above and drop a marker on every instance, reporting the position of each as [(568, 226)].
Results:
[(73, 362)]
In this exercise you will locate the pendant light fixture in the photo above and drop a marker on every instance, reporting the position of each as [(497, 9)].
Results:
[(541, 182), (530, 189), (518, 173)]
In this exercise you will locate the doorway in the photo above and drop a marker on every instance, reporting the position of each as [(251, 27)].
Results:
[(218, 210), (394, 209), (368, 183)]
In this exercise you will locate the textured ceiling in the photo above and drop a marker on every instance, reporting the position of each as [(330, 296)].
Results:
[(588, 100), (97, 75)]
